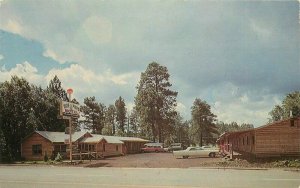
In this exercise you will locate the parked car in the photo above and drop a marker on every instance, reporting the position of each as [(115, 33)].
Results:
[(196, 152), (175, 147), (153, 147), (210, 147)]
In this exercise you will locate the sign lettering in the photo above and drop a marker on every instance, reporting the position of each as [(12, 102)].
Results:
[(69, 109)]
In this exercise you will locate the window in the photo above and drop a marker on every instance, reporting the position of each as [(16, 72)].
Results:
[(117, 148), (56, 148), (243, 141), (37, 149), (253, 141), (60, 148), (247, 141), (103, 147), (63, 148), (91, 147)]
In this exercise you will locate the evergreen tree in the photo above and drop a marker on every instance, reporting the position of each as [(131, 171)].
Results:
[(290, 104), (56, 88), (203, 127), (232, 127), (110, 118), (16, 105), (94, 115), (121, 114), (155, 102), (134, 123)]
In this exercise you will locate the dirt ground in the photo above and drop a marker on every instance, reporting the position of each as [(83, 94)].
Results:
[(152, 160)]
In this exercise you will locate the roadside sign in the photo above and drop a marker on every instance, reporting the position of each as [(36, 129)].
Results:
[(69, 109)]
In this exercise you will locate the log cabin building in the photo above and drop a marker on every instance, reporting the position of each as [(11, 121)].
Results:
[(40, 143), (278, 139)]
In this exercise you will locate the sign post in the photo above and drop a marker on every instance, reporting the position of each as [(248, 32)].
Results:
[(70, 91), (69, 110)]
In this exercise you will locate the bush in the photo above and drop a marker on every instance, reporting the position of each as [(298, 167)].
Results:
[(52, 157), (58, 157)]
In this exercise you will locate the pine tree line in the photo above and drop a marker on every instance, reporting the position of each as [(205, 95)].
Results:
[(25, 107)]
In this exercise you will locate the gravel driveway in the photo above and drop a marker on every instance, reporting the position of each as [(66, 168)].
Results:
[(152, 160)]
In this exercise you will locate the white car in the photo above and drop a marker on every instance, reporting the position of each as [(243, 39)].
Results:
[(196, 152)]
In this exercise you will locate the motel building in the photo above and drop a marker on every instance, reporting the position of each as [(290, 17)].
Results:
[(278, 139), (85, 145)]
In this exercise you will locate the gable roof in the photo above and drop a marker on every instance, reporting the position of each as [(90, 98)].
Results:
[(133, 139), (114, 139), (60, 136), (95, 138)]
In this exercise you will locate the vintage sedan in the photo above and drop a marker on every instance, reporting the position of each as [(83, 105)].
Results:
[(196, 152)]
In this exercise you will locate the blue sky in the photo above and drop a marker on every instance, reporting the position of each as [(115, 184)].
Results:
[(241, 57)]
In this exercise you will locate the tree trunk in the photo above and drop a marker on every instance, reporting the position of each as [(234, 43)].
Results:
[(153, 131), (159, 134)]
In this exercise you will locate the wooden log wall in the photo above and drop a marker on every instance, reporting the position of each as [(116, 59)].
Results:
[(279, 139), (35, 139), (112, 149)]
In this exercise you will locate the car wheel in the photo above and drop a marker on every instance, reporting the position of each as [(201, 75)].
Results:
[(185, 157), (212, 155)]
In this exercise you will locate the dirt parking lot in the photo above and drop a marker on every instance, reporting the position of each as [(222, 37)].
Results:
[(153, 160)]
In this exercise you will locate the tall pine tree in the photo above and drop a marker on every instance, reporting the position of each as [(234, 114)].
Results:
[(121, 115), (94, 115), (203, 127), (155, 102)]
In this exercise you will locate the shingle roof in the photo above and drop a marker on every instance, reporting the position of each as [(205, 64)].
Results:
[(113, 140), (133, 139), (94, 139), (59, 136)]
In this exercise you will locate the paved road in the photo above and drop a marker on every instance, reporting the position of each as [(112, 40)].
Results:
[(46, 177)]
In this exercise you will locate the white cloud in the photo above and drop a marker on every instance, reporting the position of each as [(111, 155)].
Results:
[(13, 26), (98, 29), (244, 98), (121, 79), (1, 57), (51, 54), (86, 82), (129, 106), (242, 107), (181, 108), (25, 70)]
